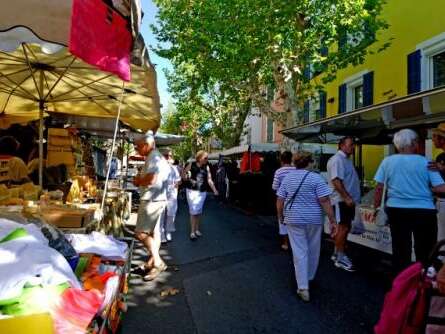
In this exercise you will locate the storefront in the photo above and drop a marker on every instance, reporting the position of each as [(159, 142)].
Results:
[(373, 127)]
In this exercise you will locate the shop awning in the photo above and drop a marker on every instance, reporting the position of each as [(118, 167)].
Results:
[(377, 123), (260, 147)]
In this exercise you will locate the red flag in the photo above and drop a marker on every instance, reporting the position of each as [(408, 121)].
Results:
[(100, 37)]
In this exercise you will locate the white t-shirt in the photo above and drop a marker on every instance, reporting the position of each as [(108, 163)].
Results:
[(341, 167), (156, 164)]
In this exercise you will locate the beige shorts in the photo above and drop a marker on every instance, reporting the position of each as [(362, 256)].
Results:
[(149, 216)]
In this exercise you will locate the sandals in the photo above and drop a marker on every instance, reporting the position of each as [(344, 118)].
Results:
[(154, 272)]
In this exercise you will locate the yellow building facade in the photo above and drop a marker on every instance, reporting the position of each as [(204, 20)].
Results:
[(415, 29)]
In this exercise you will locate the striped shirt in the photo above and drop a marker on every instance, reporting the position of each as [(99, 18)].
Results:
[(279, 176), (306, 208)]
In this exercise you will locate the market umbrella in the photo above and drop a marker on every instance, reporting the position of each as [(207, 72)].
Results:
[(42, 76), (38, 74)]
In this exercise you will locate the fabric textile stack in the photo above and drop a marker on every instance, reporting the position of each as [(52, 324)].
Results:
[(80, 280)]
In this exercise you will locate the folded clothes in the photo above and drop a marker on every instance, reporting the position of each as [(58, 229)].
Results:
[(8, 225), (98, 243), (27, 260)]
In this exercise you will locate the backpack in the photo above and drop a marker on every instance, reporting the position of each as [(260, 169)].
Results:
[(405, 305)]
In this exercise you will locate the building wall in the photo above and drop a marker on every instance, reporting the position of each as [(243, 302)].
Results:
[(254, 128), (410, 23), (277, 136)]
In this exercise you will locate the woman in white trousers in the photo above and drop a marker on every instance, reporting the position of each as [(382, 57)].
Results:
[(301, 199)]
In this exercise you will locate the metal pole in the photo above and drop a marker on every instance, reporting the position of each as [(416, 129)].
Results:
[(116, 127), (41, 110)]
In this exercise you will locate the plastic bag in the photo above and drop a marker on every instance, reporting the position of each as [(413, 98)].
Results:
[(357, 226)]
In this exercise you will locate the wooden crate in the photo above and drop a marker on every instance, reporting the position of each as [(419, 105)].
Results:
[(67, 218)]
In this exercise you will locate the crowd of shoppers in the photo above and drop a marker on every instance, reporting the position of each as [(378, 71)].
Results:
[(410, 184), (407, 183)]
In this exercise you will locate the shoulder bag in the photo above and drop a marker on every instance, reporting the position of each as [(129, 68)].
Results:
[(292, 199)]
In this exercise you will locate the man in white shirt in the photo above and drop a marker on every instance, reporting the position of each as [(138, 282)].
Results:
[(345, 184), (153, 184)]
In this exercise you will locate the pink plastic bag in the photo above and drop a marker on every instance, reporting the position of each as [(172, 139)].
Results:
[(100, 37), (405, 305)]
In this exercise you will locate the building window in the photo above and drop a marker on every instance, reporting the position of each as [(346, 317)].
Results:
[(314, 108), (356, 92), (432, 62), (438, 69), (269, 130), (357, 96)]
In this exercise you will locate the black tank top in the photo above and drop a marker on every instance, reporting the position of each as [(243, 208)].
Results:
[(199, 177)]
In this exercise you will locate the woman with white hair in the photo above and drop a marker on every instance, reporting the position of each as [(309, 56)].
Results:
[(409, 201)]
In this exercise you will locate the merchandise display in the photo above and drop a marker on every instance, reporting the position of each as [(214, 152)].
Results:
[(80, 280)]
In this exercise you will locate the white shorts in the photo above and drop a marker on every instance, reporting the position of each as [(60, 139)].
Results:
[(195, 200)]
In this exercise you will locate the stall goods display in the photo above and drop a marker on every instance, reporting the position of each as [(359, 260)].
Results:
[(60, 148), (85, 296), (18, 195)]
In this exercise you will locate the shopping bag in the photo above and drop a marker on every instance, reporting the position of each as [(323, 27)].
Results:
[(405, 305), (357, 226)]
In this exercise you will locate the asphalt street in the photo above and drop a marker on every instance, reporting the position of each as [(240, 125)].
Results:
[(236, 279)]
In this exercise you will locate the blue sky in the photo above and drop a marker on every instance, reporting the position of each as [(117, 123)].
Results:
[(150, 11)]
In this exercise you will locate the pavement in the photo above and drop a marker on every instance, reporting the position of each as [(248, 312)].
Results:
[(236, 279)]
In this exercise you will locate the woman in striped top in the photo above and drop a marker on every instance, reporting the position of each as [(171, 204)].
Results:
[(302, 197), (286, 167)]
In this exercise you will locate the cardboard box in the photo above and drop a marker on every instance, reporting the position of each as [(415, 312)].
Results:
[(68, 218)]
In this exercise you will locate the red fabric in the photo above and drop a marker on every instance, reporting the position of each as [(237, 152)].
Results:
[(253, 166), (76, 310), (100, 37), (405, 305)]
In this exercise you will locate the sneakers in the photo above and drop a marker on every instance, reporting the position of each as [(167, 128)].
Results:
[(344, 263), (198, 233), (334, 257), (304, 295), (193, 236)]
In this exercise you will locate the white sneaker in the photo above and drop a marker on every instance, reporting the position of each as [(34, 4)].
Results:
[(168, 236), (198, 233), (345, 263), (193, 236), (334, 257), (304, 295)]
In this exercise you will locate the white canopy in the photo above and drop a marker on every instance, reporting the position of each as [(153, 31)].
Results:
[(260, 147)]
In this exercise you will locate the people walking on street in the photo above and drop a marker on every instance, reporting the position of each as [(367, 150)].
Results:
[(198, 179), (409, 202), (280, 173), (345, 184), (153, 193), (439, 165), (174, 179), (302, 197)]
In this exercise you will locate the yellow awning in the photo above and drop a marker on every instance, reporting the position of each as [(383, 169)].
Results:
[(67, 85)]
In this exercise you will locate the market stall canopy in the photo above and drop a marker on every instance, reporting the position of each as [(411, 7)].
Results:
[(260, 147), (50, 20), (49, 73), (166, 139), (377, 123)]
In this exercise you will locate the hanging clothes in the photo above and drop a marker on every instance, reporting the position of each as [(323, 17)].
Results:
[(100, 36), (251, 162)]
